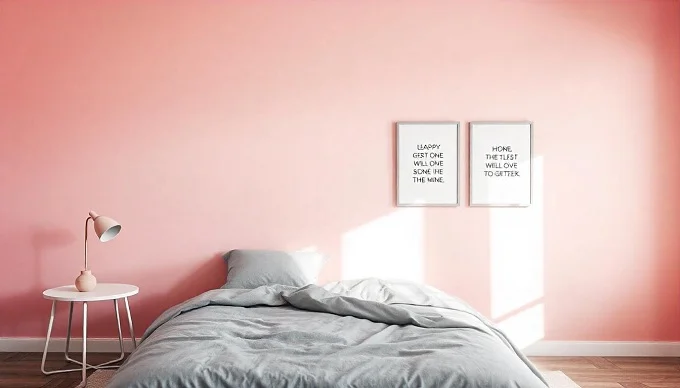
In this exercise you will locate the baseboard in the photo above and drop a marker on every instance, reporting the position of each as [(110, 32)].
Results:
[(541, 348), (603, 349), (95, 345)]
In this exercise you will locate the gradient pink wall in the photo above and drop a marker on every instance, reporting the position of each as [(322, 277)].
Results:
[(204, 126)]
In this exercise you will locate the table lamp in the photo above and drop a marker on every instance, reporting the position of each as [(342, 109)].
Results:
[(106, 229)]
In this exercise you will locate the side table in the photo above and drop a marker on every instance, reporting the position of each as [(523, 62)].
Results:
[(103, 292)]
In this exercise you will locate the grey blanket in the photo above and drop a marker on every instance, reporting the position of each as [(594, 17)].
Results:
[(366, 333)]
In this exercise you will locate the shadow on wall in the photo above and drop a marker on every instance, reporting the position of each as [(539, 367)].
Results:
[(26, 307), (208, 275), (145, 306), (664, 203), (625, 211)]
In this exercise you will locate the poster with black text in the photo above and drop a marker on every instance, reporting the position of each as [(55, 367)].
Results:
[(500, 163), (427, 164)]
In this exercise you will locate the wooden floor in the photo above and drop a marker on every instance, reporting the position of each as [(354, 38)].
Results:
[(23, 370), (616, 372)]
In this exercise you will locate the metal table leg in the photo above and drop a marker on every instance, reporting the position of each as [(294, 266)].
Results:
[(104, 365), (84, 366), (47, 342), (132, 330), (84, 382)]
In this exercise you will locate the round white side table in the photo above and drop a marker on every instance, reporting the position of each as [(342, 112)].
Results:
[(102, 292)]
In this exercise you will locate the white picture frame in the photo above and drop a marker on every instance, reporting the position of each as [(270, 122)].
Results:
[(428, 156), (501, 163)]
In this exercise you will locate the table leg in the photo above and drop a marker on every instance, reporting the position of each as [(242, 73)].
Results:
[(106, 364), (83, 364), (47, 340), (120, 332), (84, 382), (68, 333), (132, 330)]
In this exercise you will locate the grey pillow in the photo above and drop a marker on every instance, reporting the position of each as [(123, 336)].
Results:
[(252, 268)]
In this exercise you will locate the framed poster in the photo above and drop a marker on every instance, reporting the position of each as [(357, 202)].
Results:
[(500, 163), (427, 163)]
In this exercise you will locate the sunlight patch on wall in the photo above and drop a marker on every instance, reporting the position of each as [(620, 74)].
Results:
[(516, 251), (526, 327), (390, 247)]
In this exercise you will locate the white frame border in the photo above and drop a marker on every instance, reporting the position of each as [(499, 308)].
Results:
[(396, 170), (471, 124)]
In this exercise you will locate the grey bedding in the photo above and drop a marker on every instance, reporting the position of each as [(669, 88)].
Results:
[(367, 333)]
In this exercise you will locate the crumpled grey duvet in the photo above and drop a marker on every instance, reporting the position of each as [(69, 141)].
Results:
[(365, 333)]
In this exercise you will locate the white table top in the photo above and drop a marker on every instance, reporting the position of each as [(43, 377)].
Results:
[(103, 291)]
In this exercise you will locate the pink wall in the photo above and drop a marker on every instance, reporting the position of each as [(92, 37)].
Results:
[(204, 126)]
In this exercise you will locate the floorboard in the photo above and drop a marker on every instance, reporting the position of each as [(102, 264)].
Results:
[(616, 372), (22, 370)]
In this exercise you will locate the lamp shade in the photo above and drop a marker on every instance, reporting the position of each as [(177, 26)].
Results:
[(106, 228)]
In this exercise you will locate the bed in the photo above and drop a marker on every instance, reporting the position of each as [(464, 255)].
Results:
[(358, 333)]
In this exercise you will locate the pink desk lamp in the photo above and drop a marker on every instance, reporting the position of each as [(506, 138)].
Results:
[(106, 229)]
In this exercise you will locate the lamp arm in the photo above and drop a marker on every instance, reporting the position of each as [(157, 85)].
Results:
[(86, 220)]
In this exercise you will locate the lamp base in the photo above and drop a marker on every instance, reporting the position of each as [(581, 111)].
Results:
[(86, 281)]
